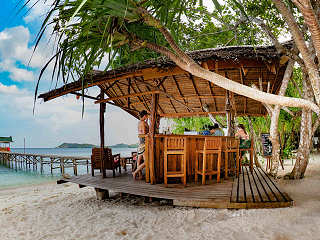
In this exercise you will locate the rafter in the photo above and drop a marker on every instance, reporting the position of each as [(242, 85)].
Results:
[(160, 108), (195, 89), (144, 101), (169, 98), (126, 96), (189, 114), (168, 95)]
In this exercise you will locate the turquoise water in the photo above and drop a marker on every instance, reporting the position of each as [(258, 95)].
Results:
[(11, 177)]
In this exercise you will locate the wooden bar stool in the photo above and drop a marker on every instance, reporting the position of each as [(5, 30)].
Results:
[(231, 146), (175, 146), (212, 145)]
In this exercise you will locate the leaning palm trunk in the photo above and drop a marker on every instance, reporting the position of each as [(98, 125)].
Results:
[(186, 63)]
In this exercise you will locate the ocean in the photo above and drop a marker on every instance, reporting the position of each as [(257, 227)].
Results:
[(14, 178)]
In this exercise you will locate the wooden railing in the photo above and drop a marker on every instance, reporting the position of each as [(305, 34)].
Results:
[(27, 161)]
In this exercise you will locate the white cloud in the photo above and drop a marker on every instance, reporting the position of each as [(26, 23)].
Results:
[(16, 74), (38, 10), (17, 57), (10, 90), (60, 120), (14, 47)]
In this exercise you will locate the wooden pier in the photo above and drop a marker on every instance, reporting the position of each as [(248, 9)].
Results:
[(37, 162), (251, 190)]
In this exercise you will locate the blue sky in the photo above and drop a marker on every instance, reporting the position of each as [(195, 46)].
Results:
[(56, 121)]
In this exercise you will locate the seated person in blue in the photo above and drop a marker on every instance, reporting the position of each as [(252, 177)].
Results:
[(215, 130)]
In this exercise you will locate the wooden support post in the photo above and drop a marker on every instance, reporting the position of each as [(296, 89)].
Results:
[(153, 125), (87, 162), (147, 160), (229, 115), (75, 167), (101, 122), (51, 164), (101, 193), (62, 165)]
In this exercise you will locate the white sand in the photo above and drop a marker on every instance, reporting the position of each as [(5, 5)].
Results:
[(51, 211)]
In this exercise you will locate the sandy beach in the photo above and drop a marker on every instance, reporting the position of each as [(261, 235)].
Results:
[(51, 211)]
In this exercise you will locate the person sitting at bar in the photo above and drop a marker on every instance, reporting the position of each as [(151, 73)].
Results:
[(215, 130), (244, 138), (143, 128)]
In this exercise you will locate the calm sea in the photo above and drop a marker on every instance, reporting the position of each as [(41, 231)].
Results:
[(12, 177)]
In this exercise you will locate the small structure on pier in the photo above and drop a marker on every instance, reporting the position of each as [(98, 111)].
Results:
[(5, 143), (165, 90)]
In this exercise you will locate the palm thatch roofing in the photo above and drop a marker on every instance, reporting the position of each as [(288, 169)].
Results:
[(6, 139), (182, 94)]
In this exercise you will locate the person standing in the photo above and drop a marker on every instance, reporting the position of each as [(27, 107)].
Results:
[(215, 130), (143, 129), (245, 142)]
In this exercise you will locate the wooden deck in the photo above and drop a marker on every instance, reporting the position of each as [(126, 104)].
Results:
[(250, 190)]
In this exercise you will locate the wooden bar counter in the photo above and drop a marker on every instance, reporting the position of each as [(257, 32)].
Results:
[(194, 143)]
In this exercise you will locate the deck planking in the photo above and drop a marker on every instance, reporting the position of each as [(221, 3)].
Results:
[(251, 190)]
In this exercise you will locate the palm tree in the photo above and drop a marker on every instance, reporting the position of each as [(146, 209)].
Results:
[(89, 30)]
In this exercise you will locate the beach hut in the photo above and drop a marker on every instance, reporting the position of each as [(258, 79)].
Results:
[(5, 143), (165, 90)]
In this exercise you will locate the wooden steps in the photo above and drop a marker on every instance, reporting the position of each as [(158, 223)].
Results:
[(257, 190)]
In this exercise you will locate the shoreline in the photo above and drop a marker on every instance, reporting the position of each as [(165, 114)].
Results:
[(49, 182), (49, 211)]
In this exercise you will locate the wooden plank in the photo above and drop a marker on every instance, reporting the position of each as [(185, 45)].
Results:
[(265, 191), (255, 189), (234, 192), (241, 189), (248, 186), (273, 187), (258, 205), (219, 204)]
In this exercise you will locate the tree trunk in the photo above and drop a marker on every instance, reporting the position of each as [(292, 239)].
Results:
[(302, 158), (274, 131), (196, 70), (274, 137), (255, 140), (299, 40)]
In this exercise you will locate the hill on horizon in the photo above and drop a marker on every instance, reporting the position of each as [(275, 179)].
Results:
[(87, 145)]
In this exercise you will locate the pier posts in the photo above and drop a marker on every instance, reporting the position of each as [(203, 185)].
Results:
[(62, 165), (41, 165), (24, 161)]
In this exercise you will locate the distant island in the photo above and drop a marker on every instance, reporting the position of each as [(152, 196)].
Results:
[(123, 145), (76, 145), (86, 145)]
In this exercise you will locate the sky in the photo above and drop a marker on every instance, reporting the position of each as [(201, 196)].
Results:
[(59, 120), (56, 121)]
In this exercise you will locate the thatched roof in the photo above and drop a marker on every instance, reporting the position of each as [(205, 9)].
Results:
[(182, 94)]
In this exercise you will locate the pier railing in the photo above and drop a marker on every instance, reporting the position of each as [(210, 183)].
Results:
[(37, 162)]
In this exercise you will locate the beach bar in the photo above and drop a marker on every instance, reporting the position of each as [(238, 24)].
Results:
[(176, 163)]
